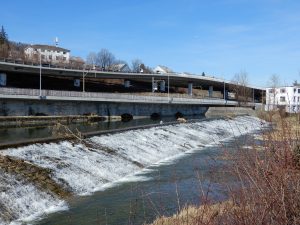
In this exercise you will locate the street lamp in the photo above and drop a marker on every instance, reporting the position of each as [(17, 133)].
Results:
[(83, 80), (40, 74), (169, 88)]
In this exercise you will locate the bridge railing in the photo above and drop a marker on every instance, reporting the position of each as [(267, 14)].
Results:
[(107, 96)]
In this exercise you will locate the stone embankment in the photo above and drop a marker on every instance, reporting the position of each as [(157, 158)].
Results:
[(40, 177)]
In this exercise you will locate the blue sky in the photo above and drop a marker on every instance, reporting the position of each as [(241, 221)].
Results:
[(219, 37)]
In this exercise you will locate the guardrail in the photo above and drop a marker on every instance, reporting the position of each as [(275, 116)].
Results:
[(116, 97)]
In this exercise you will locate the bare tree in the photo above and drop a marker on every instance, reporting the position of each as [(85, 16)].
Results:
[(91, 59), (105, 59), (274, 83), (239, 87), (135, 65)]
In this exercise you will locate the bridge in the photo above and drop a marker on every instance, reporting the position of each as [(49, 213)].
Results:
[(33, 88)]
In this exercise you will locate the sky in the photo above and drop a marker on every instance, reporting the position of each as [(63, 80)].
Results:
[(218, 37)]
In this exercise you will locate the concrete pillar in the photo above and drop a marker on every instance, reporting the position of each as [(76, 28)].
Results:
[(190, 89), (3, 78), (154, 85), (127, 83), (162, 86), (210, 91)]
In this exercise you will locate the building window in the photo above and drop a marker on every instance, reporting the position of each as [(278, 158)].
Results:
[(43, 56), (294, 99), (64, 58), (295, 90), (282, 99), (298, 99), (57, 57), (64, 53), (282, 90), (271, 91), (50, 57), (299, 91)]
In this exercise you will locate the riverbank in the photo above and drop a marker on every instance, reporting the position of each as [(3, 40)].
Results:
[(268, 178)]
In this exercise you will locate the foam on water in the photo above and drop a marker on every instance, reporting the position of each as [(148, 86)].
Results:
[(21, 201), (87, 170)]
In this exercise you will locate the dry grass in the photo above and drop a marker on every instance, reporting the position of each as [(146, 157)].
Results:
[(269, 182)]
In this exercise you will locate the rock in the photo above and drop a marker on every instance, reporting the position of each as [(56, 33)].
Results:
[(181, 120)]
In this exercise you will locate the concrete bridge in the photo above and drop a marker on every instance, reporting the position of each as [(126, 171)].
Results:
[(170, 79), (15, 101)]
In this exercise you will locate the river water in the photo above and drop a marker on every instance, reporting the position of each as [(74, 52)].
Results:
[(8, 135), (133, 182)]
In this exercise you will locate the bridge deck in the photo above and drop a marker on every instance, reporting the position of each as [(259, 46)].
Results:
[(34, 94)]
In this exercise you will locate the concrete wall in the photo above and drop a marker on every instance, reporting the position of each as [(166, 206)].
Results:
[(58, 108)]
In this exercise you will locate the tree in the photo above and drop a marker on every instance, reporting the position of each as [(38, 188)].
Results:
[(3, 36), (295, 83), (91, 59), (145, 69), (273, 83), (4, 43), (239, 87), (135, 65), (105, 59)]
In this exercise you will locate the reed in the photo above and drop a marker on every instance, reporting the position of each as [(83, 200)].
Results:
[(268, 178)]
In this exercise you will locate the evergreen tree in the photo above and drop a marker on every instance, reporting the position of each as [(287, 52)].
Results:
[(4, 43), (3, 36)]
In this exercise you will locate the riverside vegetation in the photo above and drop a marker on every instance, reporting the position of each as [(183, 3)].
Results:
[(268, 175)]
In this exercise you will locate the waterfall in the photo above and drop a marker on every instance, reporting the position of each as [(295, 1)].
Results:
[(84, 169)]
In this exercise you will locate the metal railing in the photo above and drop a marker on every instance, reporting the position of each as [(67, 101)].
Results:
[(99, 96)]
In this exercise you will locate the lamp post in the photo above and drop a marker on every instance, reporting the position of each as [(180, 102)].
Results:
[(168, 88), (40, 74), (83, 79), (224, 90)]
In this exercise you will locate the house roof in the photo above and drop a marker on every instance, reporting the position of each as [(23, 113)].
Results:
[(117, 67), (164, 68), (48, 47)]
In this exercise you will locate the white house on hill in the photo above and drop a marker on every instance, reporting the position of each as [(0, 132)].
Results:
[(162, 70), (49, 54), (283, 97), (121, 67)]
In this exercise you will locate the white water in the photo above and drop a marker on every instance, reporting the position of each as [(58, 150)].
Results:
[(86, 171)]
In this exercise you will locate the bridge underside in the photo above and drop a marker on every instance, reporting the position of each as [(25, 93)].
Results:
[(93, 81)]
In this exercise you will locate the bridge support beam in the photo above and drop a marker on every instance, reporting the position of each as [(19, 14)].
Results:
[(127, 83), (190, 89), (154, 85), (210, 91), (162, 86)]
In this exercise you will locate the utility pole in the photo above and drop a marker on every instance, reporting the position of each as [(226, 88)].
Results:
[(40, 75), (83, 79), (224, 90), (168, 88)]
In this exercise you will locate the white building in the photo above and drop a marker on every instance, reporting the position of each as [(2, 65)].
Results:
[(121, 67), (283, 97), (162, 70), (49, 54)]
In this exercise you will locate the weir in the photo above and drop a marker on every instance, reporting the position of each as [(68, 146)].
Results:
[(101, 161)]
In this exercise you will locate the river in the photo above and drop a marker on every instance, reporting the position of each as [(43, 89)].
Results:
[(133, 182)]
